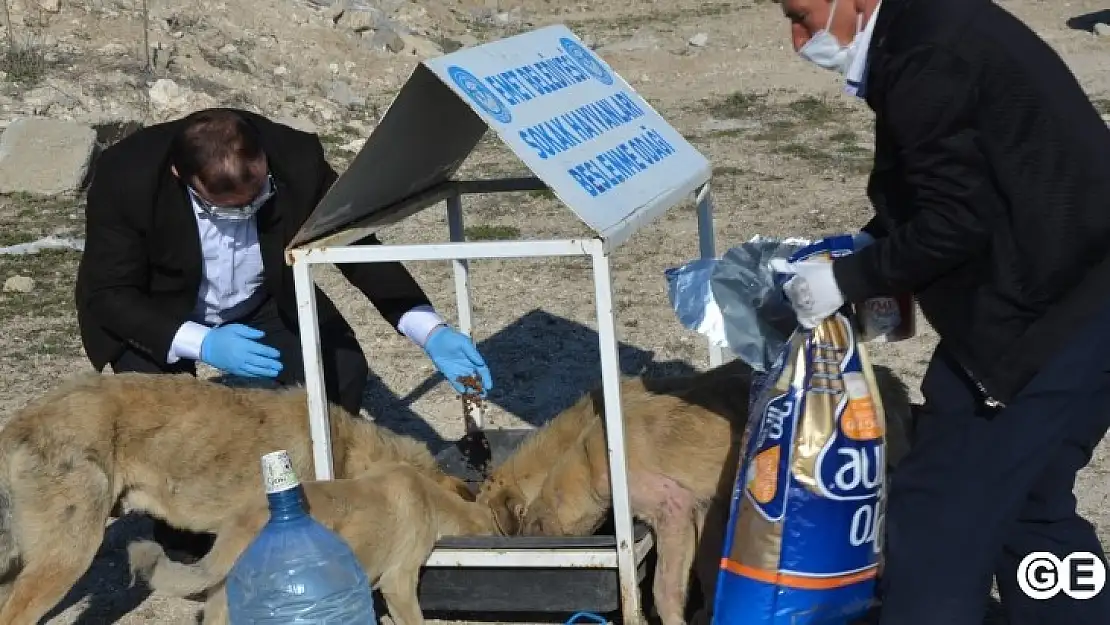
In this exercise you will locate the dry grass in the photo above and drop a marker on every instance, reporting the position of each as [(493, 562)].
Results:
[(790, 155), (42, 322)]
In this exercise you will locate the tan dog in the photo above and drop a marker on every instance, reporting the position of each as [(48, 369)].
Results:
[(683, 449), (391, 518), (180, 448), (517, 481)]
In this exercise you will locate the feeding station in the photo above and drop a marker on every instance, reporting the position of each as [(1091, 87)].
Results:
[(603, 151)]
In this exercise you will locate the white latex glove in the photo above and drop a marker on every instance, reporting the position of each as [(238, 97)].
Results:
[(812, 289)]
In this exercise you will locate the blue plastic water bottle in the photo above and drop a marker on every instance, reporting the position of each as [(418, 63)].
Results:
[(296, 571)]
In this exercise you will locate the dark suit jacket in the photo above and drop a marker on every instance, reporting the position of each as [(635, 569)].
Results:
[(991, 187), (142, 266)]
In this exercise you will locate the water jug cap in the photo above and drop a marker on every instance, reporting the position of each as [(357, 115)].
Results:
[(277, 472)]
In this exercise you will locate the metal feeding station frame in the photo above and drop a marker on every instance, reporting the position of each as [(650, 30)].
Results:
[(408, 164)]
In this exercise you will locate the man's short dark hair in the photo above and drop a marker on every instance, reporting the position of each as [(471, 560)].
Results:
[(220, 149)]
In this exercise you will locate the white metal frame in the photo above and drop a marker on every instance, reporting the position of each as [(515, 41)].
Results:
[(337, 249)]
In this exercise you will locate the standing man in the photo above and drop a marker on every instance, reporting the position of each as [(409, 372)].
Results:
[(186, 227), (991, 188)]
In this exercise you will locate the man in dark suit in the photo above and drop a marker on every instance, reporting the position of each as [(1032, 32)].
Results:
[(186, 226), (991, 188)]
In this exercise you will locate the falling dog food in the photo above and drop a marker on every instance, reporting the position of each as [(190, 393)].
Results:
[(474, 445)]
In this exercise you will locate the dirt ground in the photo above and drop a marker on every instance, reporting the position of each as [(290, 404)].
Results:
[(790, 154)]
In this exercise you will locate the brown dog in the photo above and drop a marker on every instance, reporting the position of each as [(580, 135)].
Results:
[(391, 518), (517, 481), (683, 449), (179, 448)]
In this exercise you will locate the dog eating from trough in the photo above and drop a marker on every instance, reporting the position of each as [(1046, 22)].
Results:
[(517, 480), (391, 517), (682, 444), (173, 446)]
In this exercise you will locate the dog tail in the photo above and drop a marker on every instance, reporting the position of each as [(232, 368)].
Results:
[(148, 561)]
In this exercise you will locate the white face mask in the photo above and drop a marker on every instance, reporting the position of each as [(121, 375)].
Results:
[(823, 49)]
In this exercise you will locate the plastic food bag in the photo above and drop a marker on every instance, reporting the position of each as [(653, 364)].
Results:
[(734, 300), (804, 534)]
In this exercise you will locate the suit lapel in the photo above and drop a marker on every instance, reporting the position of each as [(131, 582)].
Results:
[(876, 53), (889, 13), (271, 235), (177, 220)]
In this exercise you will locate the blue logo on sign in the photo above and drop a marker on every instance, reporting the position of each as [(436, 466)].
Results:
[(480, 94), (586, 60)]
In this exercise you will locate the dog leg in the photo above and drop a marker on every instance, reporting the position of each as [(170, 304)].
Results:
[(58, 517), (215, 608), (673, 519), (676, 555), (232, 539), (398, 588), (149, 562), (707, 561), (5, 591)]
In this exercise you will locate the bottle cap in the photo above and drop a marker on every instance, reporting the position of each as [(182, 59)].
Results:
[(277, 472)]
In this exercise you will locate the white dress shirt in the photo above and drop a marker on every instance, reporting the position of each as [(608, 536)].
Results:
[(232, 275), (856, 70)]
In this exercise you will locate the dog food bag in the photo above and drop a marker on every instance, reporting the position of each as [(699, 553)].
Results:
[(803, 539)]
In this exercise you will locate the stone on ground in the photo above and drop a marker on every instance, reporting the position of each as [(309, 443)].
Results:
[(45, 156)]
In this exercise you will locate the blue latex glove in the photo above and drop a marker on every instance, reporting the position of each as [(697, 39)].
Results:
[(233, 348), (454, 354)]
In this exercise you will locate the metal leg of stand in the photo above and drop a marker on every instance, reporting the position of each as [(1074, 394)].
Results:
[(308, 320), (631, 610)]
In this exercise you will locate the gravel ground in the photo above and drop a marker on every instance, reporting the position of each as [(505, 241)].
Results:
[(790, 154)]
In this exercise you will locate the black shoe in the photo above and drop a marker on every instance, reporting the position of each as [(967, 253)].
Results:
[(185, 545)]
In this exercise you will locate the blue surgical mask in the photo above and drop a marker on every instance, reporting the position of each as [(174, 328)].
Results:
[(825, 51)]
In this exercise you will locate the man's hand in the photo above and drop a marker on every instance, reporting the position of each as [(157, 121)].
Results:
[(455, 356), (234, 348), (811, 289)]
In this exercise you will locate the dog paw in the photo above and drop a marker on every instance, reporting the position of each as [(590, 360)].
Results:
[(142, 556)]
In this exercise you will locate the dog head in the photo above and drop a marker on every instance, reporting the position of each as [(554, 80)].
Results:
[(560, 509), (541, 520)]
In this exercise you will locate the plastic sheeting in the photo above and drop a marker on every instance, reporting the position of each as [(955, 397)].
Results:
[(46, 243), (736, 301)]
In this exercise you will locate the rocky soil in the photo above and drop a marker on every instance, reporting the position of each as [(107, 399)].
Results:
[(790, 154)]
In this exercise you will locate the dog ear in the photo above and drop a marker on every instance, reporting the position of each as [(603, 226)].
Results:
[(505, 515)]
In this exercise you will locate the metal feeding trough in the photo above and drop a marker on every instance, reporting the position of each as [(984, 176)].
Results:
[(616, 165), (536, 590)]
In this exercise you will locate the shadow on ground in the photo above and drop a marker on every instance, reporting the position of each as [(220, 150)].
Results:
[(1087, 21), (541, 364)]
